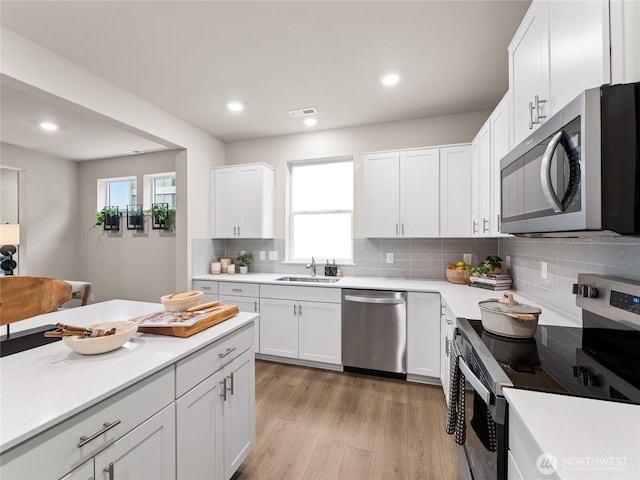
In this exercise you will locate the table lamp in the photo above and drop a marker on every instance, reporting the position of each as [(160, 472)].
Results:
[(9, 238)]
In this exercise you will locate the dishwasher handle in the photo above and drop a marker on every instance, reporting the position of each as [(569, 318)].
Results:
[(378, 300)]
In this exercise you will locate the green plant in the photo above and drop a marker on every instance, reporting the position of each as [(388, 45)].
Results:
[(163, 215), (490, 263), (101, 215), (244, 259)]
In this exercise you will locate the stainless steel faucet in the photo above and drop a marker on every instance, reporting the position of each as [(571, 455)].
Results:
[(312, 266)]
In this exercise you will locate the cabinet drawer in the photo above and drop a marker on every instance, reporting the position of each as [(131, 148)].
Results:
[(206, 286), (206, 361), (309, 294), (55, 452), (239, 289)]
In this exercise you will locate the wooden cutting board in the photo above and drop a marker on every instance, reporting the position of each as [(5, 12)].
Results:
[(225, 312)]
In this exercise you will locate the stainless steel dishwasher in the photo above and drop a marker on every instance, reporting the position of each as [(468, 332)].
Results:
[(374, 332)]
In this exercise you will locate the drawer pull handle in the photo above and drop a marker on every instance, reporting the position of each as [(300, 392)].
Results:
[(236, 289), (110, 470), (229, 350), (205, 287), (255, 306), (107, 426)]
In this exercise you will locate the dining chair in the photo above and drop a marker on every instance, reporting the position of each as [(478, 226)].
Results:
[(24, 297)]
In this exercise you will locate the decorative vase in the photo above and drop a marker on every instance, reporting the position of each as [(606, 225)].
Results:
[(244, 269)]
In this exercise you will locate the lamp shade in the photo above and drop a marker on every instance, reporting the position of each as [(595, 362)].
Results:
[(9, 234)]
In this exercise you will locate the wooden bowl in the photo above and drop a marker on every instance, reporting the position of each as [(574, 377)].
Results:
[(94, 346), (182, 303), (458, 276)]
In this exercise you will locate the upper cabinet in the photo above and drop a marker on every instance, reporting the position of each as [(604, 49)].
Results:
[(559, 50), (500, 128), (401, 193), (243, 201), (455, 191), (481, 174)]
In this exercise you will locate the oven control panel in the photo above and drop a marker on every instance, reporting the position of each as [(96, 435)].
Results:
[(610, 297), (625, 301)]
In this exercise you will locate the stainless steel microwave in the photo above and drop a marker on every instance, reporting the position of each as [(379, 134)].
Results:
[(579, 173)]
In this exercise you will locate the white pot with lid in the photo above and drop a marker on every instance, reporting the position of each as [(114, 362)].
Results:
[(508, 318)]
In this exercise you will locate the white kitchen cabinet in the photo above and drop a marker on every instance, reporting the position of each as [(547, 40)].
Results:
[(148, 451), (208, 288), (423, 334), (625, 41), (529, 71), (398, 189), (499, 124), (247, 297), (83, 472), (279, 327), (481, 223), (559, 50), (200, 425), (243, 201), (239, 412), (302, 323), (320, 332), (455, 191)]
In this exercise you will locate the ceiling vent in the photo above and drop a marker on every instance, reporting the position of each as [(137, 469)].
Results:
[(303, 112)]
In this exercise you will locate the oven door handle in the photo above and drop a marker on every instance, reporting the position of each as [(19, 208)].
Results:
[(474, 381)]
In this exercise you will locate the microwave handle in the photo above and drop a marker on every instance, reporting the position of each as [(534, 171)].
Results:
[(545, 173)]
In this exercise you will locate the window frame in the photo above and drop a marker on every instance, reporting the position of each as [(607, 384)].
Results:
[(103, 191), (290, 247)]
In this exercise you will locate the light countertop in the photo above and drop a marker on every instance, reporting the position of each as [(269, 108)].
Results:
[(462, 299), (589, 439), (45, 385)]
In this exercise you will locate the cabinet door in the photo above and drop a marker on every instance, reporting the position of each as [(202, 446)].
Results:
[(239, 412), (250, 201), (246, 304), (481, 182), (320, 332), (147, 452), (225, 202), (455, 191), (423, 334), (420, 193), (381, 185), (83, 472), (578, 49), (279, 327), (499, 121), (200, 431), (529, 69), (447, 332)]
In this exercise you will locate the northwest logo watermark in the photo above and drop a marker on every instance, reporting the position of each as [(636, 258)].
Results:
[(548, 464)]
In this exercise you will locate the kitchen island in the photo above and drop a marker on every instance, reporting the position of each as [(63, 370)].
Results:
[(52, 396)]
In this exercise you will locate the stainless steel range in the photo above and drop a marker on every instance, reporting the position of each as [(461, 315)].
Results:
[(600, 360)]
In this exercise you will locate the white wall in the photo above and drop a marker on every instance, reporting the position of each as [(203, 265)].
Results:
[(32, 64), (128, 264), (49, 221), (277, 151)]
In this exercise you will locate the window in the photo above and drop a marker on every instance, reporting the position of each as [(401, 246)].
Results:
[(117, 192), (321, 211), (163, 189)]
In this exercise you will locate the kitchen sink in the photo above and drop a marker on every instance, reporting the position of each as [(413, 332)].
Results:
[(308, 279)]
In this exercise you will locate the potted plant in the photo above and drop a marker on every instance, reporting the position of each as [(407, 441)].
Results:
[(163, 216), (492, 265), (135, 217), (243, 261), (109, 217)]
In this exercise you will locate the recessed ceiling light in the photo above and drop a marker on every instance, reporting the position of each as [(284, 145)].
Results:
[(235, 106), (390, 79), (310, 122), (51, 127)]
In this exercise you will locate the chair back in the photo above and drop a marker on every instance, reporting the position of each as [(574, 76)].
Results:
[(24, 297)]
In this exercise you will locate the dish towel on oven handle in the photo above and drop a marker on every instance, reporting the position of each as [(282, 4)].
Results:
[(483, 424), (455, 416)]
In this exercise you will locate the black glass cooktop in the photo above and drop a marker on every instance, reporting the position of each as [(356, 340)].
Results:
[(595, 361)]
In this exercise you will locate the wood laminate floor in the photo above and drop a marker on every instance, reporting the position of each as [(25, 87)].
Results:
[(317, 424)]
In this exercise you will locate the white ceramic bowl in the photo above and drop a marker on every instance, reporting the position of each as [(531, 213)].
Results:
[(93, 346), (175, 304)]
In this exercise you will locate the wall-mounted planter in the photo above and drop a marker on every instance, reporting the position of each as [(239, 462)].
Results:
[(162, 216), (111, 218), (135, 217)]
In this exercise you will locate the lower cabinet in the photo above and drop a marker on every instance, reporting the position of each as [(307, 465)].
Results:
[(301, 329), (423, 334), (208, 288), (246, 304), (148, 451), (447, 331), (83, 472), (216, 420)]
